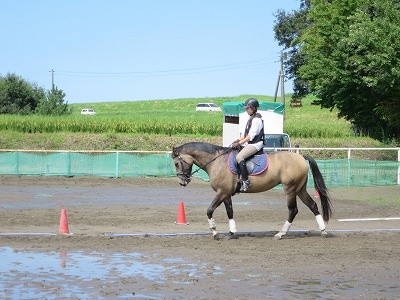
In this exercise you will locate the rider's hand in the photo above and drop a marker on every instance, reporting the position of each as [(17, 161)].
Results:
[(235, 145)]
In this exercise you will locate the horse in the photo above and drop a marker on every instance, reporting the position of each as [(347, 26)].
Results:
[(287, 168)]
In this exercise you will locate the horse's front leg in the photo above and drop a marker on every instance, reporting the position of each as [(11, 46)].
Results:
[(210, 211), (232, 223)]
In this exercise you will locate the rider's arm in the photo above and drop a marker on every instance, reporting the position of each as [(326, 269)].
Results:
[(255, 129), (243, 140)]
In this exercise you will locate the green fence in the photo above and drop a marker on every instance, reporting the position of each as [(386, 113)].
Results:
[(337, 173), (106, 164), (357, 172)]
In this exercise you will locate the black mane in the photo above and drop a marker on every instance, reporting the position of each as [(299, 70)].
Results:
[(200, 146)]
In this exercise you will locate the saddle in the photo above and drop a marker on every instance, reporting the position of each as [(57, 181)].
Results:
[(256, 164)]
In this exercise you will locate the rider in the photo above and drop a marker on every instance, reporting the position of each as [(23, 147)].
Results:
[(253, 139)]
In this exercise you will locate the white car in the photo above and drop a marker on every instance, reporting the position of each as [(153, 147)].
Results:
[(88, 111), (207, 107)]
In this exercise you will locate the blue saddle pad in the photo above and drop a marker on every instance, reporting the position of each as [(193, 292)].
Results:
[(257, 165)]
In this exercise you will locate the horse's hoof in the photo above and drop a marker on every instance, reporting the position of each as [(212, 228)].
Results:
[(324, 234), (233, 236), (216, 236), (277, 237)]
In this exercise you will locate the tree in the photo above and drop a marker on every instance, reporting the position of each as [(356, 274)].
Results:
[(16, 95), (344, 51), (352, 53), (288, 28), (52, 103)]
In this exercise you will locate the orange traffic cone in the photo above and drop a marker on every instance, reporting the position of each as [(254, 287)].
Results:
[(64, 222), (181, 219)]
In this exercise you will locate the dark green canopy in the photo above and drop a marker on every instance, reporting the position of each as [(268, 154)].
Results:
[(235, 108)]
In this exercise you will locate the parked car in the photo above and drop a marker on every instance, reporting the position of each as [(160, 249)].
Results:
[(207, 107), (272, 142), (88, 111)]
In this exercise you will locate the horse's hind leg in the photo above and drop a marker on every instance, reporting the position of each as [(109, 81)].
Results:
[(293, 210), (312, 205)]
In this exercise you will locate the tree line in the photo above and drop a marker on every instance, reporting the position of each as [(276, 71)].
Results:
[(18, 96), (347, 53)]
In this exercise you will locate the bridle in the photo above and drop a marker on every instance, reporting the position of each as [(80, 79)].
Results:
[(187, 177)]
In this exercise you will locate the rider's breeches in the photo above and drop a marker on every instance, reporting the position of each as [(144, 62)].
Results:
[(247, 151)]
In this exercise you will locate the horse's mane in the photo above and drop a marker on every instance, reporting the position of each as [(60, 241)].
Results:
[(200, 146)]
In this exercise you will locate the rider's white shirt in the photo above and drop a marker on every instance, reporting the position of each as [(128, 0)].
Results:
[(256, 126)]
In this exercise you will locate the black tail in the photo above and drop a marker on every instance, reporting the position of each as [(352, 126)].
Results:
[(319, 184)]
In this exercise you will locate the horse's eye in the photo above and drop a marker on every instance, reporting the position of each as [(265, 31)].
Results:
[(176, 164)]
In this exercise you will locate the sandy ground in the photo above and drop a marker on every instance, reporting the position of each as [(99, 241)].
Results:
[(359, 259)]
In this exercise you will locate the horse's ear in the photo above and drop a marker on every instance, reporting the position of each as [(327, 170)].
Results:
[(174, 151)]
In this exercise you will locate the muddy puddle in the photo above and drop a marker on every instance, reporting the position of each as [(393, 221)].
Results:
[(82, 275), (102, 275)]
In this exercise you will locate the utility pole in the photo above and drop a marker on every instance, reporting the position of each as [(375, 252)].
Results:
[(282, 75), (281, 81), (277, 86), (52, 80)]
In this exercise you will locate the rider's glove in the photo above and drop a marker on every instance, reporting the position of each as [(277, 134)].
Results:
[(235, 145)]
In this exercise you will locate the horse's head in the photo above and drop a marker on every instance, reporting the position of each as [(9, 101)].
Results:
[(183, 166)]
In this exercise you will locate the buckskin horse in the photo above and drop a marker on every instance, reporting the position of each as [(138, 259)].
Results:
[(287, 168)]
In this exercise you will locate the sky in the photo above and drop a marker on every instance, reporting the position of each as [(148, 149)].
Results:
[(130, 50)]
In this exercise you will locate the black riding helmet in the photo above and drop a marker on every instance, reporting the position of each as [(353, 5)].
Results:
[(252, 102)]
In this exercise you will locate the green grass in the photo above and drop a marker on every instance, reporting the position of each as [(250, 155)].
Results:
[(128, 125), (173, 117)]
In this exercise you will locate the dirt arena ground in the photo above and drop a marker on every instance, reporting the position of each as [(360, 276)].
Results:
[(359, 259)]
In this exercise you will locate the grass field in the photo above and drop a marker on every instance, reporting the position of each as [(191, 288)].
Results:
[(160, 124)]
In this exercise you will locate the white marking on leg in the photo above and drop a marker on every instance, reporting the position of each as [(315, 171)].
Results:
[(213, 228), (211, 224), (284, 230), (321, 223), (232, 226)]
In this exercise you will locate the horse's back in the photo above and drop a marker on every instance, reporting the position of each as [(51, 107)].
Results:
[(288, 166), (288, 156)]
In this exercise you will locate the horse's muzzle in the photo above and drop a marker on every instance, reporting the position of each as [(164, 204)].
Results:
[(184, 179)]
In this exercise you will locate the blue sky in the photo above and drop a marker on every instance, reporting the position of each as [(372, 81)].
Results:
[(143, 49)]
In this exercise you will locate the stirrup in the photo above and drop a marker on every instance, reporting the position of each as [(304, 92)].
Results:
[(245, 185)]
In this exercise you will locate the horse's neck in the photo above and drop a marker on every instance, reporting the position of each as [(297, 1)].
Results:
[(202, 159)]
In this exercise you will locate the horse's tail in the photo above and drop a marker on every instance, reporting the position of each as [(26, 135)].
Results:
[(320, 186)]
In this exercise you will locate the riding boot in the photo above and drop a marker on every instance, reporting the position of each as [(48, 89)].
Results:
[(244, 175)]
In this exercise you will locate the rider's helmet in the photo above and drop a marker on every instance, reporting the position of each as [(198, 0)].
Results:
[(252, 102)]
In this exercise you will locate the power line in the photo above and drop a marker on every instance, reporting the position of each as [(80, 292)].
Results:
[(170, 72)]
